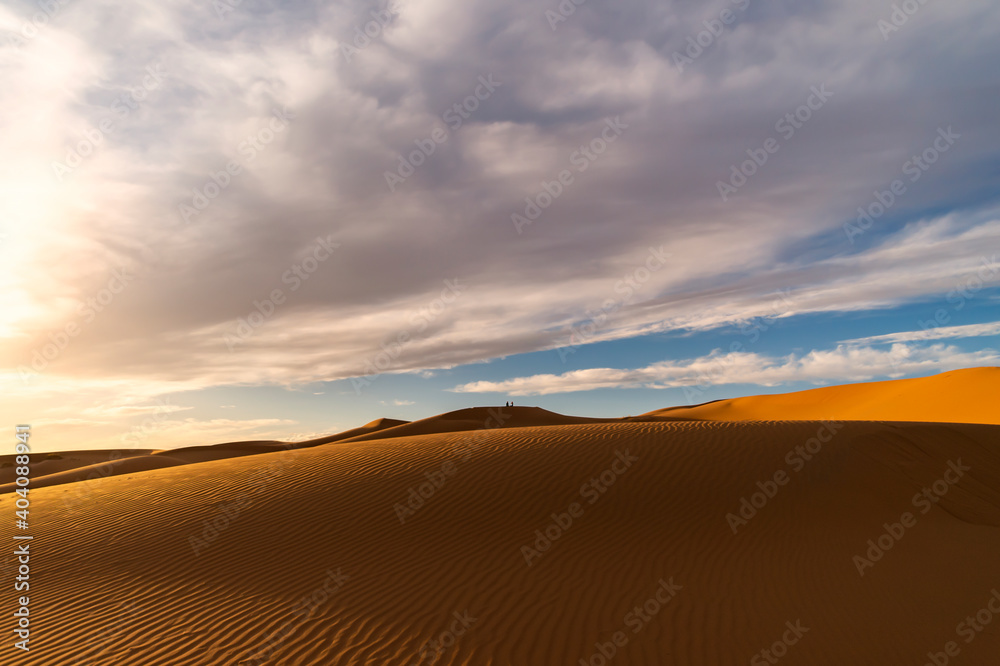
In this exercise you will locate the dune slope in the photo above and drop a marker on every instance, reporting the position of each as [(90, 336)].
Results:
[(73, 466), (368, 553), (960, 396)]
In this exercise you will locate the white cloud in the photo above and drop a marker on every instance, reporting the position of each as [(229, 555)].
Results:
[(932, 333), (847, 364)]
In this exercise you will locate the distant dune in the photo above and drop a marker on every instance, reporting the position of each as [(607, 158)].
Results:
[(476, 418), (378, 425), (960, 396), (43, 464), (73, 466), (696, 543)]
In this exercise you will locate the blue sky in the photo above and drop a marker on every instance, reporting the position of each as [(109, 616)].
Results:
[(231, 221)]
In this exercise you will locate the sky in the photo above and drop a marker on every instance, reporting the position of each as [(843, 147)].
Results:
[(227, 220)]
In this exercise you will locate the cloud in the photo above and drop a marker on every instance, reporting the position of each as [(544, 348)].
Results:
[(846, 364), (938, 333), (486, 320), (575, 276)]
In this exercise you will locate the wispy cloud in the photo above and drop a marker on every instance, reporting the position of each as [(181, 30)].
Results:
[(932, 333), (843, 363)]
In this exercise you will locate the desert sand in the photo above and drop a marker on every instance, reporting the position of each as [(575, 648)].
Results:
[(517, 537), (960, 396)]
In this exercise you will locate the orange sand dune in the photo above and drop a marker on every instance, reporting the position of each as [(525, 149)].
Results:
[(960, 396), (534, 546)]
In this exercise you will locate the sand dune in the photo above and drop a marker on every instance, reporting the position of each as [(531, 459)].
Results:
[(960, 396), (478, 418), (101, 470), (331, 555), (53, 463), (963, 396), (73, 466), (378, 425)]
